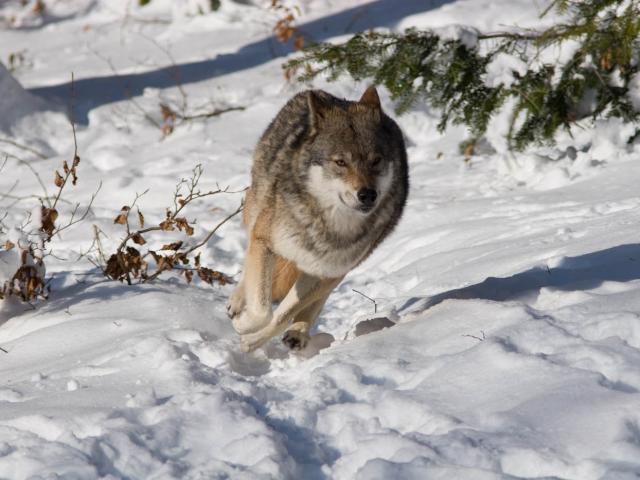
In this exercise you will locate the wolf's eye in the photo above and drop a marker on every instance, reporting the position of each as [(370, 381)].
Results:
[(340, 162), (376, 160)]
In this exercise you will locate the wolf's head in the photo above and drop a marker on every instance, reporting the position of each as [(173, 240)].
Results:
[(353, 153)]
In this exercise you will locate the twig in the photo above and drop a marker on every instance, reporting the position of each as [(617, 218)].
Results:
[(198, 245), (126, 90), (509, 35), (101, 257), (100, 262), (46, 197), (70, 172), (375, 305), (215, 229), (214, 113), (128, 262), (119, 255), (5, 351), (72, 221), (476, 337), (23, 147), (174, 67)]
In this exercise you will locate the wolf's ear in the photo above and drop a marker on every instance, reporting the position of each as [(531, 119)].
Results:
[(370, 97), (318, 108)]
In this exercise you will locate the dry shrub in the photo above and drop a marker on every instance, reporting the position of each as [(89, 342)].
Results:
[(28, 282), (134, 261)]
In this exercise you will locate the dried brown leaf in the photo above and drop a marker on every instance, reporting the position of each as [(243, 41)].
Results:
[(27, 284), (183, 224), (172, 246), (38, 7), (59, 181), (167, 225), (298, 43), (139, 239), (48, 220), (167, 112), (166, 130), (209, 276)]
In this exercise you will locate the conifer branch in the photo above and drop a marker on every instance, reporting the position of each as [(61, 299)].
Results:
[(450, 74)]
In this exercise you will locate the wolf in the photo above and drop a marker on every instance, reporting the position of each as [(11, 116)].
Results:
[(329, 182)]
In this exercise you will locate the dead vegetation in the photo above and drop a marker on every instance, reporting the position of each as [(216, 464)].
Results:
[(134, 261), (140, 257), (285, 28), (28, 283)]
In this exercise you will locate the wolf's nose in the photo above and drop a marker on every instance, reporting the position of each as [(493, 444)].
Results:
[(367, 196)]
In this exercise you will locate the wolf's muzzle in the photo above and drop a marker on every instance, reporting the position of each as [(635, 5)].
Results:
[(367, 197)]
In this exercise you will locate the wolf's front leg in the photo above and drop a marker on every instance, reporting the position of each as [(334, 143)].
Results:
[(303, 294), (297, 335), (256, 288), (237, 301)]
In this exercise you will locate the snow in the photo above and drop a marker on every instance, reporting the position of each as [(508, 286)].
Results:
[(16, 101), (506, 337)]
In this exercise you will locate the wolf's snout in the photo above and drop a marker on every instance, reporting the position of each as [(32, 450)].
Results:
[(367, 196)]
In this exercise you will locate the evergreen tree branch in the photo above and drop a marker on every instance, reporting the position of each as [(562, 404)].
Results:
[(450, 74)]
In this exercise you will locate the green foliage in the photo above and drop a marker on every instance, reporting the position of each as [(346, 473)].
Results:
[(450, 74)]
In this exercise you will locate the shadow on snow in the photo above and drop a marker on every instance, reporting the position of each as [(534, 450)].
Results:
[(584, 272), (93, 92)]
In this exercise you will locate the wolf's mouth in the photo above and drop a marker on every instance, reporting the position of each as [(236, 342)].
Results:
[(364, 208), (360, 208)]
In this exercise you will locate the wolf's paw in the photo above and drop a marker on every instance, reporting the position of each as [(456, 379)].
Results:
[(250, 341), (248, 323), (295, 339), (236, 302)]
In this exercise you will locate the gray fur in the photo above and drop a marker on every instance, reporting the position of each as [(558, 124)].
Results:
[(293, 143), (315, 170)]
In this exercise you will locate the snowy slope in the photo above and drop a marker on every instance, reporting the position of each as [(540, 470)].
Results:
[(513, 280)]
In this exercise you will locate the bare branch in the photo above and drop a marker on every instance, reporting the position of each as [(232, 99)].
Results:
[(46, 198), (375, 305), (108, 61), (128, 261), (177, 78), (211, 114), (476, 337), (24, 147), (215, 229), (72, 221)]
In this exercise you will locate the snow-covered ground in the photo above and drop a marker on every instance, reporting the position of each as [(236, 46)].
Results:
[(513, 281)]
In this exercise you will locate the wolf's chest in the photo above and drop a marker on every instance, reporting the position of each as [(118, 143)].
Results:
[(319, 259)]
